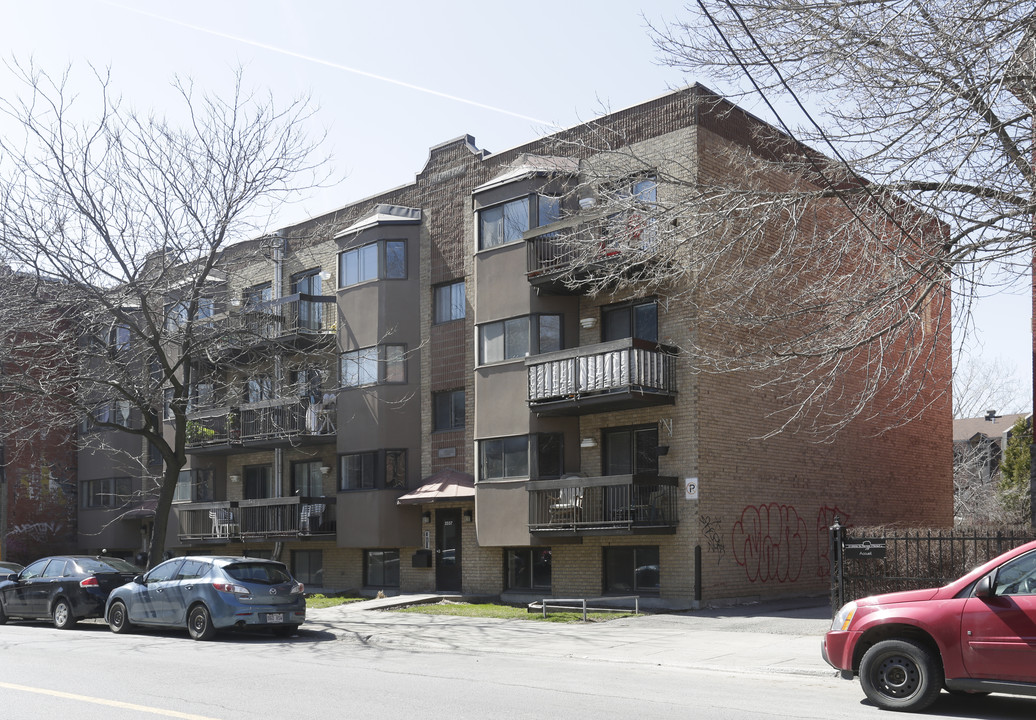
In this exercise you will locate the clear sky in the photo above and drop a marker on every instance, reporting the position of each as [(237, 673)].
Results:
[(393, 79)]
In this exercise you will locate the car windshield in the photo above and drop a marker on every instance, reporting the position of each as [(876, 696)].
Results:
[(105, 565), (263, 573)]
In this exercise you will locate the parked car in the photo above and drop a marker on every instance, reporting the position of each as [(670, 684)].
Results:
[(63, 588), (9, 568), (207, 594), (975, 635)]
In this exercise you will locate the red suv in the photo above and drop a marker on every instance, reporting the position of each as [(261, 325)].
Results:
[(976, 635)]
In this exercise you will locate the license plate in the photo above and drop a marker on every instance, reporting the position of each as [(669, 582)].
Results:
[(274, 617)]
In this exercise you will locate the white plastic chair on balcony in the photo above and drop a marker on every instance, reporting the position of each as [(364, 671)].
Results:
[(566, 506), (306, 515), (223, 523)]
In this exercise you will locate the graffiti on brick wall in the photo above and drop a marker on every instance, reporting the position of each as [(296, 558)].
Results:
[(825, 519), (769, 542), (712, 532)]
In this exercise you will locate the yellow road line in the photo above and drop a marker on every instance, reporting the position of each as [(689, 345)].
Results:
[(109, 703)]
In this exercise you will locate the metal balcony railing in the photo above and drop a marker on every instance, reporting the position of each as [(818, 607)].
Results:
[(272, 420), (256, 519), (613, 503), (627, 365)]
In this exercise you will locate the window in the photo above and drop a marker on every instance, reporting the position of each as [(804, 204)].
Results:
[(106, 493), (381, 568), (176, 315), (373, 365), (120, 338), (507, 222), (518, 337), (448, 410), (306, 479), (258, 388), (253, 297), (639, 320), (373, 469), (631, 450), (193, 568), (449, 302), (308, 566), (1017, 577), (631, 570), (382, 260), (194, 486), (258, 482), (356, 471), (512, 457), (528, 568)]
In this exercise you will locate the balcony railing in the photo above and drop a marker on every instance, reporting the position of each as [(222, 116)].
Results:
[(291, 318), (607, 376), (270, 420), (614, 504), (257, 519)]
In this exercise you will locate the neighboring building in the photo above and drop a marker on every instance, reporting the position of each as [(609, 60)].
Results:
[(419, 404), (979, 443)]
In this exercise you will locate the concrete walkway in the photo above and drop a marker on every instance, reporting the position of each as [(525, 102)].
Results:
[(780, 637)]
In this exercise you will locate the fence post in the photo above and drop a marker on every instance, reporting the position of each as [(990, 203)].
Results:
[(837, 533)]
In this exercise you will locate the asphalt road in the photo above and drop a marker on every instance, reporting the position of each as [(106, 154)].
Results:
[(90, 673)]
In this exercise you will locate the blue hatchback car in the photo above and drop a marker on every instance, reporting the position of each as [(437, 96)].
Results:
[(207, 594)]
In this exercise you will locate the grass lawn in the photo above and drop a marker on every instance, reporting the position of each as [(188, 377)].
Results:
[(506, 612), (323, 601)]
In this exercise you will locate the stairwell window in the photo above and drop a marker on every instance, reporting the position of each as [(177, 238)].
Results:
[(381, 364), (518, 337), (449, 302)]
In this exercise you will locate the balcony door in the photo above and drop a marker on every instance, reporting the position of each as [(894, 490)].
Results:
[(258, 482), (631, 450), (447, 550), (308, 283)]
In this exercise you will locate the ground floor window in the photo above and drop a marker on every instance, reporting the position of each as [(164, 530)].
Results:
[(528, 568), (631, 569), (381, 568), (308, 566)]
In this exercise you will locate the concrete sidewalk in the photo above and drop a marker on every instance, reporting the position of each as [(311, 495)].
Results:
[(781, 637)]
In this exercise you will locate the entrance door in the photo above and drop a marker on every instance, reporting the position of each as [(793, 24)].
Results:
[(447, 550)]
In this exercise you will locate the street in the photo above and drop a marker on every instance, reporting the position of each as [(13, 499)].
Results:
[(91, 673)]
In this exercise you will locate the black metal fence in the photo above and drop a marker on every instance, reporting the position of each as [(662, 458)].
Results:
[(872, 561)]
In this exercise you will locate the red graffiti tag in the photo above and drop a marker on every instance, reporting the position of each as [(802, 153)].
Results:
[(769, 542)]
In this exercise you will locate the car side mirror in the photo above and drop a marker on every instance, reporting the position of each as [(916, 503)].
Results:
[(139, 579), (985, 588), (11, 576)]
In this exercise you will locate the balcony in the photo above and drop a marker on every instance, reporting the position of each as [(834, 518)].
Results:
[(268, 518), (610, 376), (297, 320), (612, 505), (566, 257), (264, 424)]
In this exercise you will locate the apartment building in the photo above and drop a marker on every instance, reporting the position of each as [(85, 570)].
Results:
[(418, 392)]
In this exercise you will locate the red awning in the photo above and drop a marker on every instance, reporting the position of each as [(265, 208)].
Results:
[(445, 485)]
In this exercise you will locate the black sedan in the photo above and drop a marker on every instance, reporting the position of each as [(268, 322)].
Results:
[(62, 588)]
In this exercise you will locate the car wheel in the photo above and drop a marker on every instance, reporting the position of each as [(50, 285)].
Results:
[(901, 675), (118, 618), (199, 623), (3, 615), (62, 615), (285, 630)]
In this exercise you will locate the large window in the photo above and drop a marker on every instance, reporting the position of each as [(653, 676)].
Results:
[(306, 479), (308, 567), (528, 568), (381, 568), (373, 469), (518, 337), (507, 222), (373, 365), (448, 410), (631, 570), (194, 486), (253, 297), (449, 302), (258, 482), (631, 450), (106, 493), (383, 260), (633, 320), (259, 388), (512, 457)]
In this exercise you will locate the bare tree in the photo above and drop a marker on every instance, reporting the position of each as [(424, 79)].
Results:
[(831, 274), (114, 225), (980, 386)]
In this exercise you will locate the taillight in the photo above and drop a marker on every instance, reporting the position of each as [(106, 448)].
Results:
[(298, 588), (89, 582), (231, 588)]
